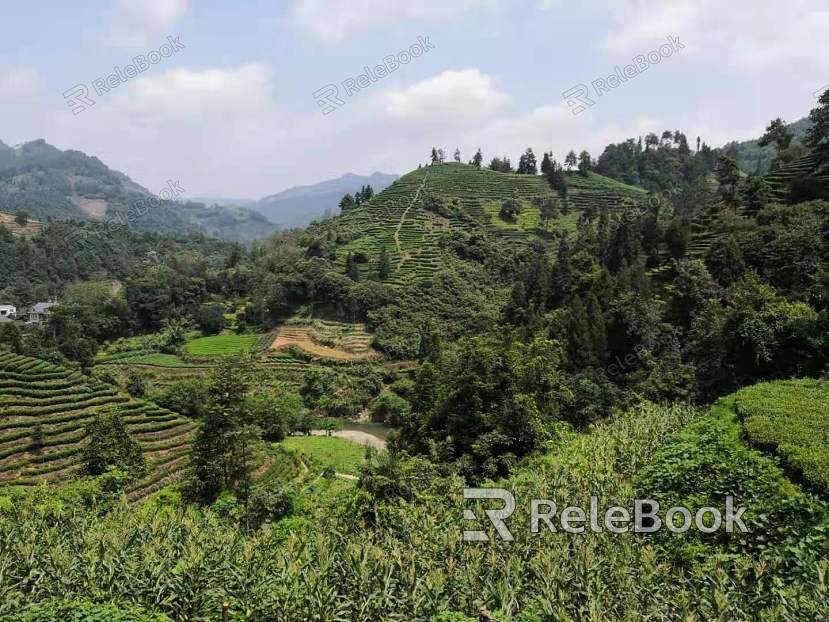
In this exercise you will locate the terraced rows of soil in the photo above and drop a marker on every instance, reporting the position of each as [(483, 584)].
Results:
[(44, 411), (32, 227), (326, 340)]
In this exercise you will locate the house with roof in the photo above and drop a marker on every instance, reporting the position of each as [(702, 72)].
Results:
[(8, 311), (38, 313)]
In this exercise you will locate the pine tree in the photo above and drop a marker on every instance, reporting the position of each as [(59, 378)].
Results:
[(598, 331), (777, 134), (726, 261), (728, 176), (817, 137), (546, 163), (570, 160), (585, 163), (435, 159), (347, 202), (756, 193), (527, 163), (222, 450), (477, 159), (562, 275), (457, 154)]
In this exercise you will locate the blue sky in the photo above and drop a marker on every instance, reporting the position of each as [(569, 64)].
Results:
[(232, 113)]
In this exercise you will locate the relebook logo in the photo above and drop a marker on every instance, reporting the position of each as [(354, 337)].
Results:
[(646, 517)]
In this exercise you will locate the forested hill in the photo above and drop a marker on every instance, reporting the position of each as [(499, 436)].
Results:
[(439, 213), (50, 184)]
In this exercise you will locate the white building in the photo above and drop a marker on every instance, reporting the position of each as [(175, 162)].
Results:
[(8, 311)]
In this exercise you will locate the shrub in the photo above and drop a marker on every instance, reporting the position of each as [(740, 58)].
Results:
[(404, 387), (510, 209), (188, 397), (452, 616), (21, 218), (136, 384), (390, 408), (110, 445), (268, 504), (790, 418), (210, 318)]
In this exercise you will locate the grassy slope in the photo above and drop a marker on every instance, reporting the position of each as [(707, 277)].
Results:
[(220, 345), (328, 451)]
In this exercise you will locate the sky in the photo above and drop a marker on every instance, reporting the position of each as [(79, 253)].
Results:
[(232, 105)]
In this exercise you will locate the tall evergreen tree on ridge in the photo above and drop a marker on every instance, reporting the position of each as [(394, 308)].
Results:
[(477, 159)]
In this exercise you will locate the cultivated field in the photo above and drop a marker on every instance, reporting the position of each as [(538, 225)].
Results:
[(326, 340), (46, 409)]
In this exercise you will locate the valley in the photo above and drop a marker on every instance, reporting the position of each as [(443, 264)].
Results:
[(567, 387)]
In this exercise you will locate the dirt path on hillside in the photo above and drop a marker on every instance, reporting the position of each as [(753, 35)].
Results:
[(403, 219)]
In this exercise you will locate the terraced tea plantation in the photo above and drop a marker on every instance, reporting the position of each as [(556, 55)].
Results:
[(397, 219), (44, 411), (704, 236), (780, 180), (791, 419)]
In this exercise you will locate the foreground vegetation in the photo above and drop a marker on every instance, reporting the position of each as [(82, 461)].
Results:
[(404, 559)]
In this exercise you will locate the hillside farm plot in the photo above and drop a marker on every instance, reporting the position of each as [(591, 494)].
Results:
[(31, 229), (326, 340), (221, 345), (45, 410), (791, 419)]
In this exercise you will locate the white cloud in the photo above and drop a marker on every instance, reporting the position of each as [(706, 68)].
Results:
[(141, 23), (212, 128), (458, 97), (190, 96), (742, 34), (333, 20), (22, 114)]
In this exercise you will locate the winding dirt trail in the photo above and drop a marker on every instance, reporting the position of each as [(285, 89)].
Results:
[(403, 219)]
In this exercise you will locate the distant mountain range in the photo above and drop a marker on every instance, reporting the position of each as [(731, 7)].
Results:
[(50, 184), (299, 206), (224, 201)]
